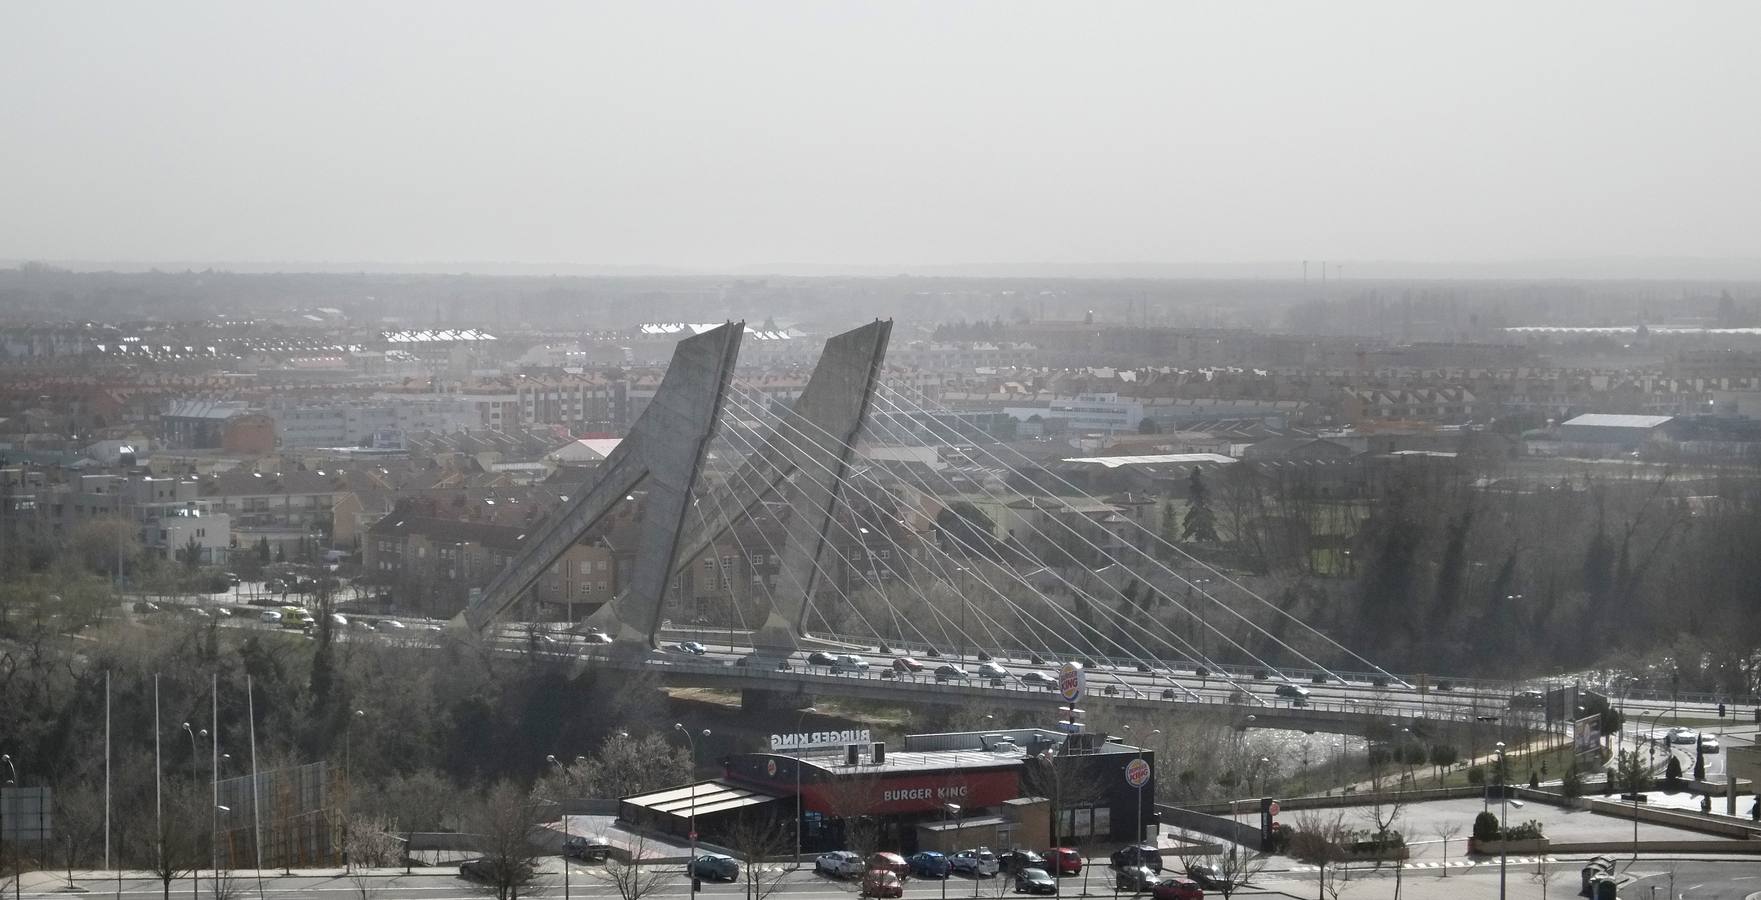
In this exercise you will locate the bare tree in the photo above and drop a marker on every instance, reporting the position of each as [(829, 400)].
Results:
[(504, 825), (1318, 839), (1445, 832), (758, 841), (636, 878), (1235, 868), (372, 841)]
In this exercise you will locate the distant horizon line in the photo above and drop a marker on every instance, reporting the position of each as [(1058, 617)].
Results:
[(1541, 268)]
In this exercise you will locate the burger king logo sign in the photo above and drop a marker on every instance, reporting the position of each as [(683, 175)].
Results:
[(1072, 682)]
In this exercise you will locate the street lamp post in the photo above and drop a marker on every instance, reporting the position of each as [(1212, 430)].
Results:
[(348, 779), (691, 867), (18, 880), (799, 720), (1503, 823), (195, 778), (563, 811)]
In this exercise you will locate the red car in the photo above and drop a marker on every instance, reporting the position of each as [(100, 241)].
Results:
[(1064, 861), (882, 883), (1176, 889), (907, 665), (888, 862)]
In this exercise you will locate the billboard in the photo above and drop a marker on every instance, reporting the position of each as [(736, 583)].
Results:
[(1072, 681), (1586, 735), (26, 814), (807, 740)]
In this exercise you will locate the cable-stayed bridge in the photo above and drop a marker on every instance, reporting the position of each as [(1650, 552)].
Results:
[(883, 561)]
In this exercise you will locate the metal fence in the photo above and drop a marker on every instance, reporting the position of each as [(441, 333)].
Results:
[(300, 818)]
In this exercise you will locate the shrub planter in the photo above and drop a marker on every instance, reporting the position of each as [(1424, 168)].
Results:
[(1348, 853), (1493, 848)]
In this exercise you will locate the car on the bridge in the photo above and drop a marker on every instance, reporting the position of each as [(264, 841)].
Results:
[(949, 672), (821, 658), (978, 863), (714, 866), (1035, 881), (1296, 693), (849, 662), (882, 883), (1170, 887), (692, 647), (907, 664), (1018, 859), (992, 670), (1038, 679), (929, 864), (839, 864)]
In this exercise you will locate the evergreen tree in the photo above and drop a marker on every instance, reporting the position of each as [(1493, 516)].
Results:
[(1201, 520)]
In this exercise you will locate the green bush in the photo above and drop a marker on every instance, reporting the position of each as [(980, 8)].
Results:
[(1572, 783), (1527, 831), (1476, 775), (1673, 771), (1486, 826)]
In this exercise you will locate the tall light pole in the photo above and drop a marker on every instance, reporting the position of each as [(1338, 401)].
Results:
[(195, 779), (564, 772), (691, 867), (18, 879), (1503, 824), (799, 720)]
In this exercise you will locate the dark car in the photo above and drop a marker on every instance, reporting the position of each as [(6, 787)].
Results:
[(1134, 855), (1135, 878), (692, 647), (714, 866), (821, 658), (586, 849), (1017, 860), (929, 864), (1039, 679), (145, 607), (1171, 888), (1208, 878), (1035, 881)]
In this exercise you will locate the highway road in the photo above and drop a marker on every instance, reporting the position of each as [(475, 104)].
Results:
[(1350, 695)]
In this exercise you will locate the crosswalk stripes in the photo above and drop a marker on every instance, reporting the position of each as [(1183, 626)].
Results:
[(1455, 863)]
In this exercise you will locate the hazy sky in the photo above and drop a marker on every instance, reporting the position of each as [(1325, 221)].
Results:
[(698, 134)]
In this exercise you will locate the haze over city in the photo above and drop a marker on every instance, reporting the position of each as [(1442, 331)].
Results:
[(877, 137)]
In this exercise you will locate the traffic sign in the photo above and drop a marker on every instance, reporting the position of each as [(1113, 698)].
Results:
[(1137, 772), (1272, 809)]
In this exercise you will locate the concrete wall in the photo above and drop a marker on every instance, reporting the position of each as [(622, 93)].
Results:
[(1246, 833)]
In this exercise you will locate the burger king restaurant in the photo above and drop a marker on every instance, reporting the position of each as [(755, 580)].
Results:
[(943, 791)]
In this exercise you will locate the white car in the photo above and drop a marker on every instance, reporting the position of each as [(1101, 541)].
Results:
[(1708, 745), (840, 864), (339, 620), (849, 662), (391, 624), (596, 637), (1038, 679), (1683, 736), (992, 670), (980, 863)]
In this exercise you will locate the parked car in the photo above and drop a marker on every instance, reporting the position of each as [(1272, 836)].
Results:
[(1135, 878), (821, 658), (849, 662), (1064, 860), (1039, 679), (1035, 881), (1174, 888), (907, 664), (1208, 878), (691, 647), (715, 867), (992, 670), (1017, 860), (929, 864), (1134, 855), (949, 672), (882, 883), (839, 864), (587, 849), (978, 863), (891, 862)]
